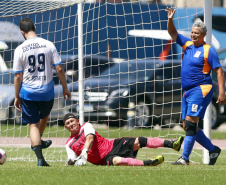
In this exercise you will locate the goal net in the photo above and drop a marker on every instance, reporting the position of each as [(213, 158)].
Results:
[(131, 71)]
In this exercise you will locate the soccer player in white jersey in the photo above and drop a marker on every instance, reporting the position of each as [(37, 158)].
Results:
[(85, 144), (34, 86)]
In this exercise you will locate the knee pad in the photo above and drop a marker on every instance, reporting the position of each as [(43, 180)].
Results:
[(142, 141), (190, 128)]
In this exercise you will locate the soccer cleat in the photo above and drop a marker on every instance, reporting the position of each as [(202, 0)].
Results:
[(214, 155), (45, 144), (181, 161), (154, 162), (177, 143), (42, 162)]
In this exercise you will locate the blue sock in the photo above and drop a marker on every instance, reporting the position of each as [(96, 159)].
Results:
[(188, 145), (204, 141)]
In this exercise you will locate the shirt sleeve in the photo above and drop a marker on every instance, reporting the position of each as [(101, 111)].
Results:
[(17, 63), (181, 40), (70, 153), (88, 129), (213, 59)]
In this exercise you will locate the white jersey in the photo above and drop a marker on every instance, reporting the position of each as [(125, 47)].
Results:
[(35, 58)]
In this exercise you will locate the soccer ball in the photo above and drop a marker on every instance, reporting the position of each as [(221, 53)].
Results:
[(2, 156)]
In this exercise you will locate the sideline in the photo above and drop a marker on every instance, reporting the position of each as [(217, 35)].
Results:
[(60, 142)]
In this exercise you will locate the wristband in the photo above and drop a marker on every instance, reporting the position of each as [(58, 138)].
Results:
[(84, 151)]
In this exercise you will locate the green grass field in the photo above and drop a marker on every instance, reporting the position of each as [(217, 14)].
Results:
[(112, 132), (26, 172), (23, 173)]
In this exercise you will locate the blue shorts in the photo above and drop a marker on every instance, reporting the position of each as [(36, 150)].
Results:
[(196, 100), (33, 111)]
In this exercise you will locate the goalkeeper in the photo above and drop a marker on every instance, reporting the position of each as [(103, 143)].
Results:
[(198, 61), (85, 144)]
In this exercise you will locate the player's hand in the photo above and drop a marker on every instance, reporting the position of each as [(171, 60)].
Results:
[(67, 95), (17, 104), (221, 99), (82, 159), (171, 12), (70, 162)]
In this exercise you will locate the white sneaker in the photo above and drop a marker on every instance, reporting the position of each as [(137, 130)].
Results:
[(181, 161)]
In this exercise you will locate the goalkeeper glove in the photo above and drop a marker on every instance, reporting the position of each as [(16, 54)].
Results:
[(82, 159)]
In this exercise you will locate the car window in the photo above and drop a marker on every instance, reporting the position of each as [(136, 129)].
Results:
[(176, 71), (95, 70), (167, 72), (163, 73), (93, 66), (129, 70)]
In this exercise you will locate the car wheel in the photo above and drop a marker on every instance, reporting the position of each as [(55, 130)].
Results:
[(142, 113), (14, 115)]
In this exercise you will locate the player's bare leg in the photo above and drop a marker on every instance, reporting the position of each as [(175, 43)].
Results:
[(123, 161), (43, 123), (35, 134), (36, 143)]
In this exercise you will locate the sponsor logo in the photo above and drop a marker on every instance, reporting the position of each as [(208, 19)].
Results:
[(194, 108), (213, 155), (197, 54)]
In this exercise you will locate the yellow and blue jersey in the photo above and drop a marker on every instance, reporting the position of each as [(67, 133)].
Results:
[(197, 63)]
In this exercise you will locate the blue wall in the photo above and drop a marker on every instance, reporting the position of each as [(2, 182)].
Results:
[(103, 24), (110, 23)]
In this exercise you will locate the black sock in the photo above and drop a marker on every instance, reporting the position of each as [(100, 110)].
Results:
[(147, 162), (168, 144), (38, 151)]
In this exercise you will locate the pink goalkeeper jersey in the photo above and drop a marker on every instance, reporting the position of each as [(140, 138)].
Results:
[(100, 148)]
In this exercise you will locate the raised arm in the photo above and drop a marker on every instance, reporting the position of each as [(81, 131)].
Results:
[(170, 25)]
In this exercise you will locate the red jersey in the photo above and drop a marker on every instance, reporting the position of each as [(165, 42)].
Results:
[(100, 148)]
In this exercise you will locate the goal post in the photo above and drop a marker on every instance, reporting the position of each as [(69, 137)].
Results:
[(123, 70), (208, 115)]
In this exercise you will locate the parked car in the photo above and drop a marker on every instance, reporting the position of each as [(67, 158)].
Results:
[(7, 109), (151, 89), (93, 65), (147, 90)]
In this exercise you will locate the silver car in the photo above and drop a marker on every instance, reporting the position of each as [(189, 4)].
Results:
[(9, 114)]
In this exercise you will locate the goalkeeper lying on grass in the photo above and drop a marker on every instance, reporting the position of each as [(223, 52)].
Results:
[(85, 144)]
